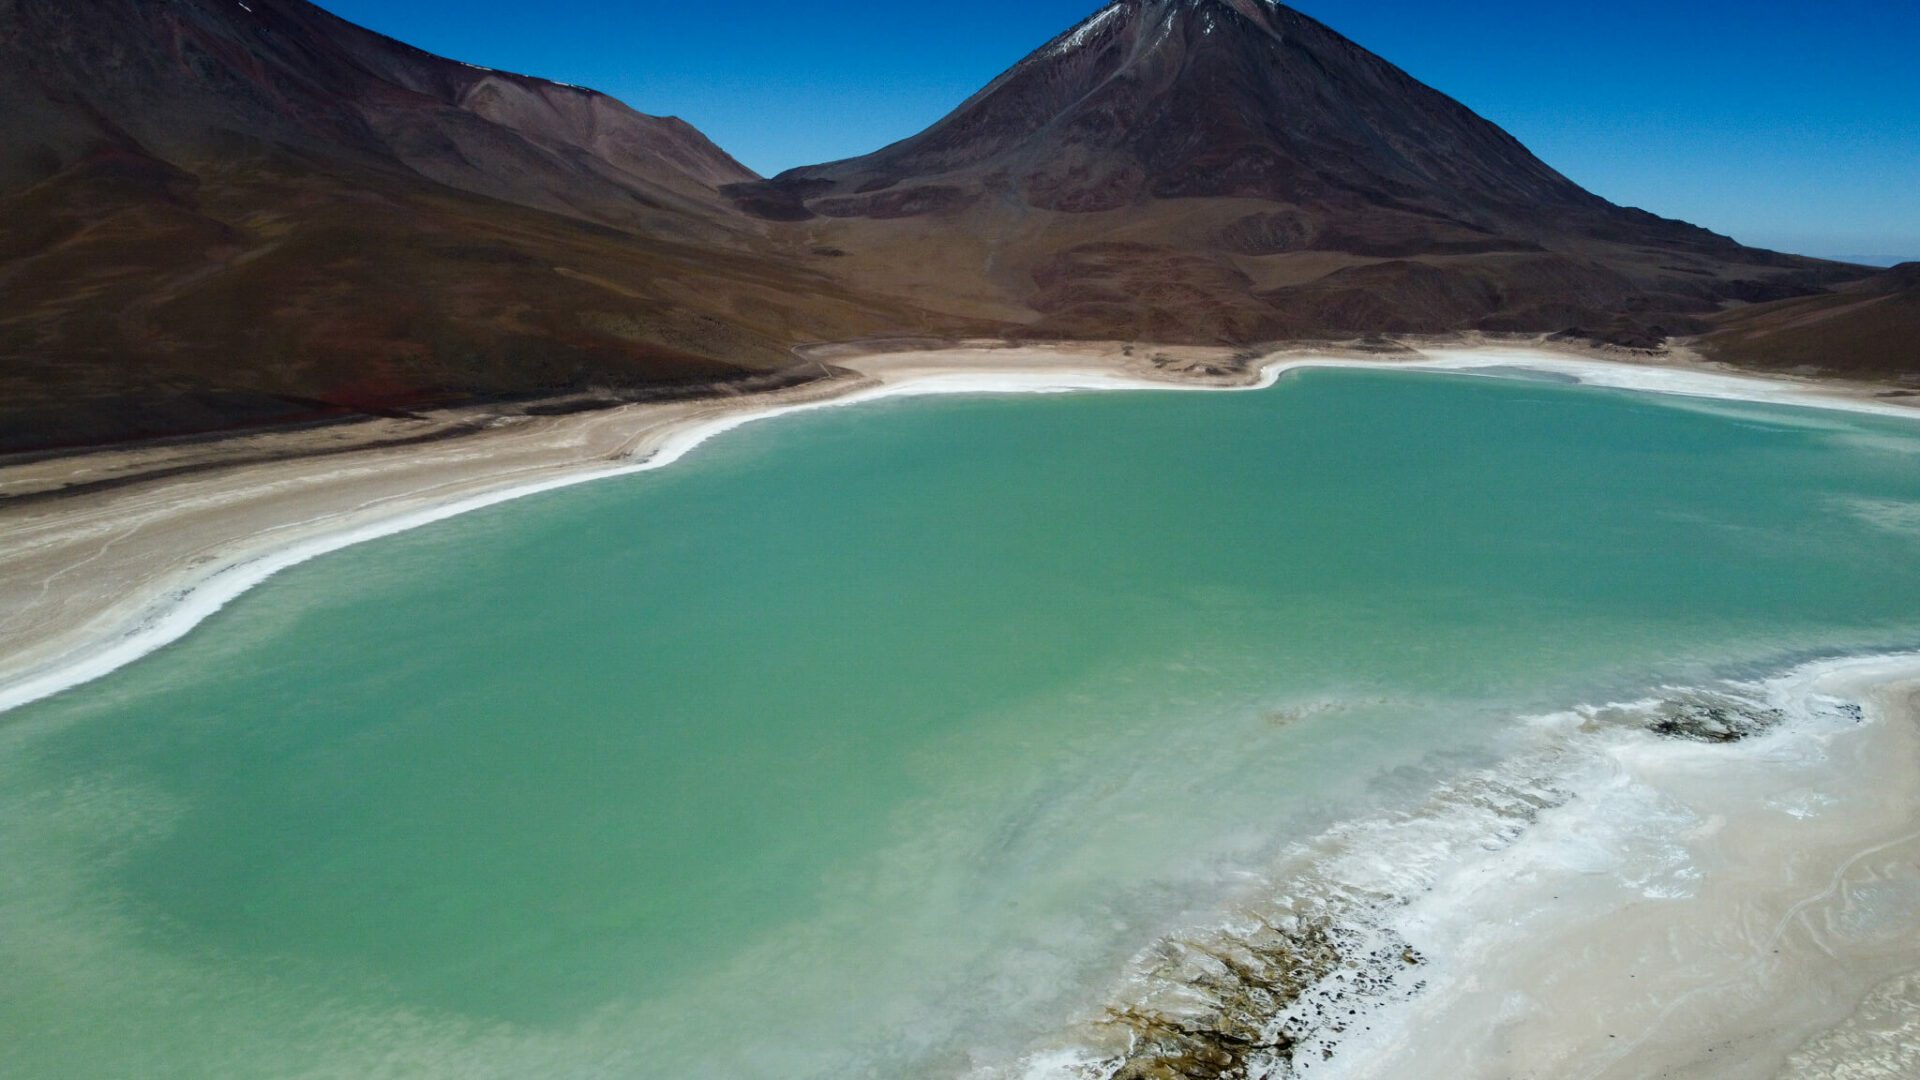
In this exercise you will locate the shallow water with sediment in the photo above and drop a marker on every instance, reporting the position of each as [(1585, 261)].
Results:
[(1272, 733)]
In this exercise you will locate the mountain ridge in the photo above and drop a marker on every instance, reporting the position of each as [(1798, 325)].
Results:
[(189, 78), (222, 215), (225, 215)]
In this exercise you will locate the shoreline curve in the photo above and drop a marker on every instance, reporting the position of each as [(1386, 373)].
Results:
[(151, 611)]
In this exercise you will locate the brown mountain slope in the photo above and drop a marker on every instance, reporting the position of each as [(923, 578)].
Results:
[(214, 80), (1231, 169), (1866, 329), (215, 214)]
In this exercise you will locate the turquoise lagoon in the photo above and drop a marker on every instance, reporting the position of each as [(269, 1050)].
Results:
[(873, 741)]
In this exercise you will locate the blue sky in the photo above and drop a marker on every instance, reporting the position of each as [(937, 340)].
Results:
[(1791, 125)]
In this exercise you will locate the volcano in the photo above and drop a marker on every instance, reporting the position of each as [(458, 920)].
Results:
[(1235, 170)]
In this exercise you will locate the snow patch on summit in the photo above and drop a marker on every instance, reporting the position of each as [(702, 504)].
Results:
[(1085, 31)]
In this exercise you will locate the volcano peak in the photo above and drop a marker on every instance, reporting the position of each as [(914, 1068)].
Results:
[(1274, 174)]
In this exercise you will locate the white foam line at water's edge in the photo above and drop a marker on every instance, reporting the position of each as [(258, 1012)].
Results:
[(185, 603), (1619, 375)]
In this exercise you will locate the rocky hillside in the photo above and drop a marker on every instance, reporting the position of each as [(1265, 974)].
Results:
[(1867, 329), (220, 213)]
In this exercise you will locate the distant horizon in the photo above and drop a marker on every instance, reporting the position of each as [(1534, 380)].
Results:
[(1753, 120), (1874, 260)]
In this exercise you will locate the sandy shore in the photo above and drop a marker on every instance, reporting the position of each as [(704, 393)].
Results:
[(109, 555), (1750, 911), (1610, 901)]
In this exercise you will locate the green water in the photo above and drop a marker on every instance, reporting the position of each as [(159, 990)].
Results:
[(871, 741)]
